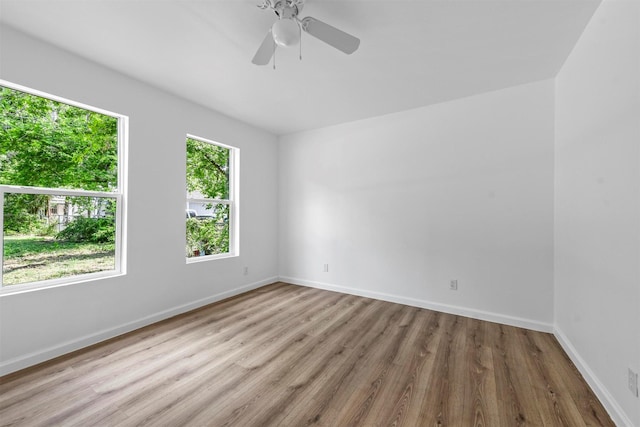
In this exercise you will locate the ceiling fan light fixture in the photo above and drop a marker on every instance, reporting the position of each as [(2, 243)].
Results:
[(286, 32)]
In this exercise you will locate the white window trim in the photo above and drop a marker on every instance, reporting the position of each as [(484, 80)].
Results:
[(119, 195), (234, 210)]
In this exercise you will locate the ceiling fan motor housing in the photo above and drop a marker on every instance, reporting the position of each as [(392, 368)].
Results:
[(287, 8)]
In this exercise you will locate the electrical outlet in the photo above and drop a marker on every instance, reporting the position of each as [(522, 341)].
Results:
[(453, 285), (245, 271), (633, 382), (325, 268)]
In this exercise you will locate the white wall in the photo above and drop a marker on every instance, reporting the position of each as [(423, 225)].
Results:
[(400, 204), (597, 204), (37, 325)]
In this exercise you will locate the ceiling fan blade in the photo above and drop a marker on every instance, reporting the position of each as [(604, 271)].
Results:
[(265, 51), (330, 35)]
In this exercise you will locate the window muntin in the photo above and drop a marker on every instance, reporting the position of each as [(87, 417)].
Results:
[(60, 169), (211, 209)]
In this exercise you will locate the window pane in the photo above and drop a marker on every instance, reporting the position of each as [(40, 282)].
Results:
[(45, 143), (48, 237), (207, 170), (208, 231)]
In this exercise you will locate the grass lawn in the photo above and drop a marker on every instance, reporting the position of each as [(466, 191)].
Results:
[(31, 259)]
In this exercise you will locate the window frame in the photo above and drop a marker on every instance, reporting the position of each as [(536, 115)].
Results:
[(232, 201), (119, 194)]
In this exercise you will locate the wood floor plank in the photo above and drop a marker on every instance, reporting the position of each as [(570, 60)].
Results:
[(378, 362), (516, 410), (295, 371), (553, 411), (227, 356), (435, 408), (410, 410), (285, 355), (569, 388), (394, 386), (480, 408), (408, 370), (154, 373), (363, 347), (250, 376), (331, 386)]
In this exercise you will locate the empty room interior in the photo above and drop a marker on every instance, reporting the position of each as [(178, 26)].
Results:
[(288, 212)]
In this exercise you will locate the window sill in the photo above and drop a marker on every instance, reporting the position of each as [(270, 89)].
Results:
[(197, 259), (56, 283)]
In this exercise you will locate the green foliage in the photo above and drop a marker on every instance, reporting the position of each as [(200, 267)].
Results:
[(94, 230), (210, 235), (21, 246), (26, 214), (207, 169), (31, 259), (44, 143)]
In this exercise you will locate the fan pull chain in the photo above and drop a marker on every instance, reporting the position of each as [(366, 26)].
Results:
[(274, 56), (300, 33)]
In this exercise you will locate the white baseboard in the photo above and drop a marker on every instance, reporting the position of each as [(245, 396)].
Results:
[(616, 413), (15, 364), (445, 308)]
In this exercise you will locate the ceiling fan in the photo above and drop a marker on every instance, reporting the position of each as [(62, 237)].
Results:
[(287, 31)]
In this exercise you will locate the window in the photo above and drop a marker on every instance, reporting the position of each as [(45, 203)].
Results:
[(61, 190), (211, 210)]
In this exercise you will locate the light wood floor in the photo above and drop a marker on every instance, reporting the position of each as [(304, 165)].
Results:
[(285, 355)]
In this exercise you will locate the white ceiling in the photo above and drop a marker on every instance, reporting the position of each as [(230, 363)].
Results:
[(412, 53)]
